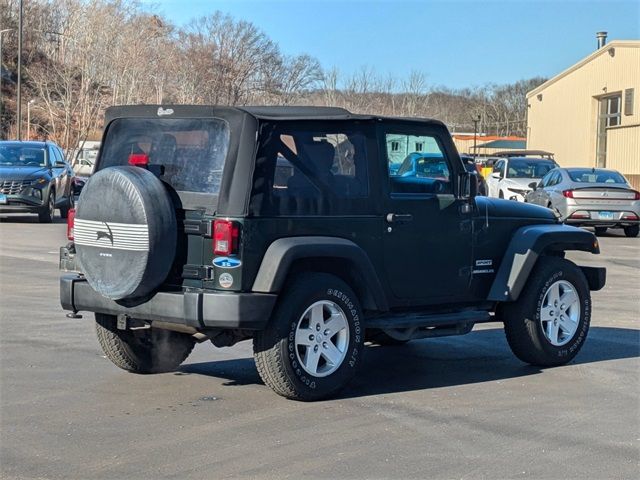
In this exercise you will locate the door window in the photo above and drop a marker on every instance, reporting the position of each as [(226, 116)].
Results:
[(546, 181), (420, 167)]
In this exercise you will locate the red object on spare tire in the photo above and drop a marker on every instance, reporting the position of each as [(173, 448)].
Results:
[(125, 232)]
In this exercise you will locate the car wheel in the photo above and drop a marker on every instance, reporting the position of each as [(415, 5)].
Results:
[(314, 340), (600, 230), (149, 350), (48, 211), (64, 211), (548, 324), (632, 231)]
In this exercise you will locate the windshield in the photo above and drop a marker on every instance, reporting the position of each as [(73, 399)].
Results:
[(522, 168), (191, 151), (22, 156), (596, 175)]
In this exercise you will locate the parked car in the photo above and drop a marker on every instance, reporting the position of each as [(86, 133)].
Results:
[(593, 197), (282, 225), (511, 176), (35, 178), (84, 158)]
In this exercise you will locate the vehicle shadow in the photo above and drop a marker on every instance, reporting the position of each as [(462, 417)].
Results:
[(27, 218), (482, 356)]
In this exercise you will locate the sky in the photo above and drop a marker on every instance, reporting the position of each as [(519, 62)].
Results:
[(455, 43)]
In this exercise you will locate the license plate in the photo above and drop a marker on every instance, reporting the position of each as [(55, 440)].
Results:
[(3, 199), (606, 215)]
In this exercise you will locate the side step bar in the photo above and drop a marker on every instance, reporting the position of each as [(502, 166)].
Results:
[(430, 320)]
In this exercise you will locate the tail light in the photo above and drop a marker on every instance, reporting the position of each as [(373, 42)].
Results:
[(629, 216), (71, 217), (636, 195), (568, 193), (225, 237), (139, 159), (580, 214)]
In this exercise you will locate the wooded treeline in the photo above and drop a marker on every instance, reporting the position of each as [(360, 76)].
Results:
[(81, 56)]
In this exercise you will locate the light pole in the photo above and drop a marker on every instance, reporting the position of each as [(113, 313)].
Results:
[(475, 135), (19, 106), (2, 32), (31, 102)]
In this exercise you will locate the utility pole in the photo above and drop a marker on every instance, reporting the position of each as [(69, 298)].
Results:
[(19, 105), (475, 135), (2, 32)]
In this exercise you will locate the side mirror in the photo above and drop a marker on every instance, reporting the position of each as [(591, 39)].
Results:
[(495, 175), (468, 185), (533, 186), (60, 165)]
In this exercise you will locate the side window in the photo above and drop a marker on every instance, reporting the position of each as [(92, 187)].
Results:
[(546, 181), (419, 165), (58, 156), (310, 169), (498, 167), (51, 156)]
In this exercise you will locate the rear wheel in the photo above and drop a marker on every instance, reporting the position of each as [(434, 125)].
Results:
[(548, 324), (600, 230), (632, 231), (314, 340), (48, 211), (150, 350)]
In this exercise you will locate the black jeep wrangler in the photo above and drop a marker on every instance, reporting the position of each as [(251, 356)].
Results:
[(291, 226)]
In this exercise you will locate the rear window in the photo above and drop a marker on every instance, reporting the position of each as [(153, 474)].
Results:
[(521, 168), (596, 176), (192, 152)]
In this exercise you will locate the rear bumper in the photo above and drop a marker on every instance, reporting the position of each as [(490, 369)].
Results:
[(198, 309)]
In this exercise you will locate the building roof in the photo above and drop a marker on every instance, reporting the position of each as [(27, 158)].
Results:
[(505, 143), (589, 58)]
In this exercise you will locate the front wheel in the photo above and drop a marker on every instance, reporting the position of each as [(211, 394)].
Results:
[(548, 324), (48, 211), (314, 340), (632, 231), (150, 350)]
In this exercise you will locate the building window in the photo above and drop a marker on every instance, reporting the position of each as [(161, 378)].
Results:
[(419, 146), (395, 146), (608, 116)]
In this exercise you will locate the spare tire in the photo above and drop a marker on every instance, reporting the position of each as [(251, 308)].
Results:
[(125, 232)]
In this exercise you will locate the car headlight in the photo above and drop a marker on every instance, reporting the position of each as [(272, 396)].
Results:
[(39, 182), (519, 191)]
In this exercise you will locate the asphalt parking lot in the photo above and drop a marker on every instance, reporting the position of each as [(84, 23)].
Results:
[(459, 407)]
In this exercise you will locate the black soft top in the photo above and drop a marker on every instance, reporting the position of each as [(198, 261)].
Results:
[(257, 112)]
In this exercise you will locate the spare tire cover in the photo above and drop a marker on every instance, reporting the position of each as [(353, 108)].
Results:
[(125, 232)]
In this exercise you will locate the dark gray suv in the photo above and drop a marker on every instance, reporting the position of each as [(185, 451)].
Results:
[(291, 226)]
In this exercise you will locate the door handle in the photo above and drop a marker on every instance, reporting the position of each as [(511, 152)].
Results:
[(399, 217)]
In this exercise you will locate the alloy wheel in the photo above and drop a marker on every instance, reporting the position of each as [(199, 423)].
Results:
[(322, 338), (560, 313)]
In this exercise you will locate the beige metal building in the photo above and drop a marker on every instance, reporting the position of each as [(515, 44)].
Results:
[(589, 115)]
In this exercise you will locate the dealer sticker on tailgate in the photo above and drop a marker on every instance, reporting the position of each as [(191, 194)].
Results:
[(606, 215)]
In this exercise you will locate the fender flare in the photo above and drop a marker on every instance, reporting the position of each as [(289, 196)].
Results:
[(282, 253), (526, 245)]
